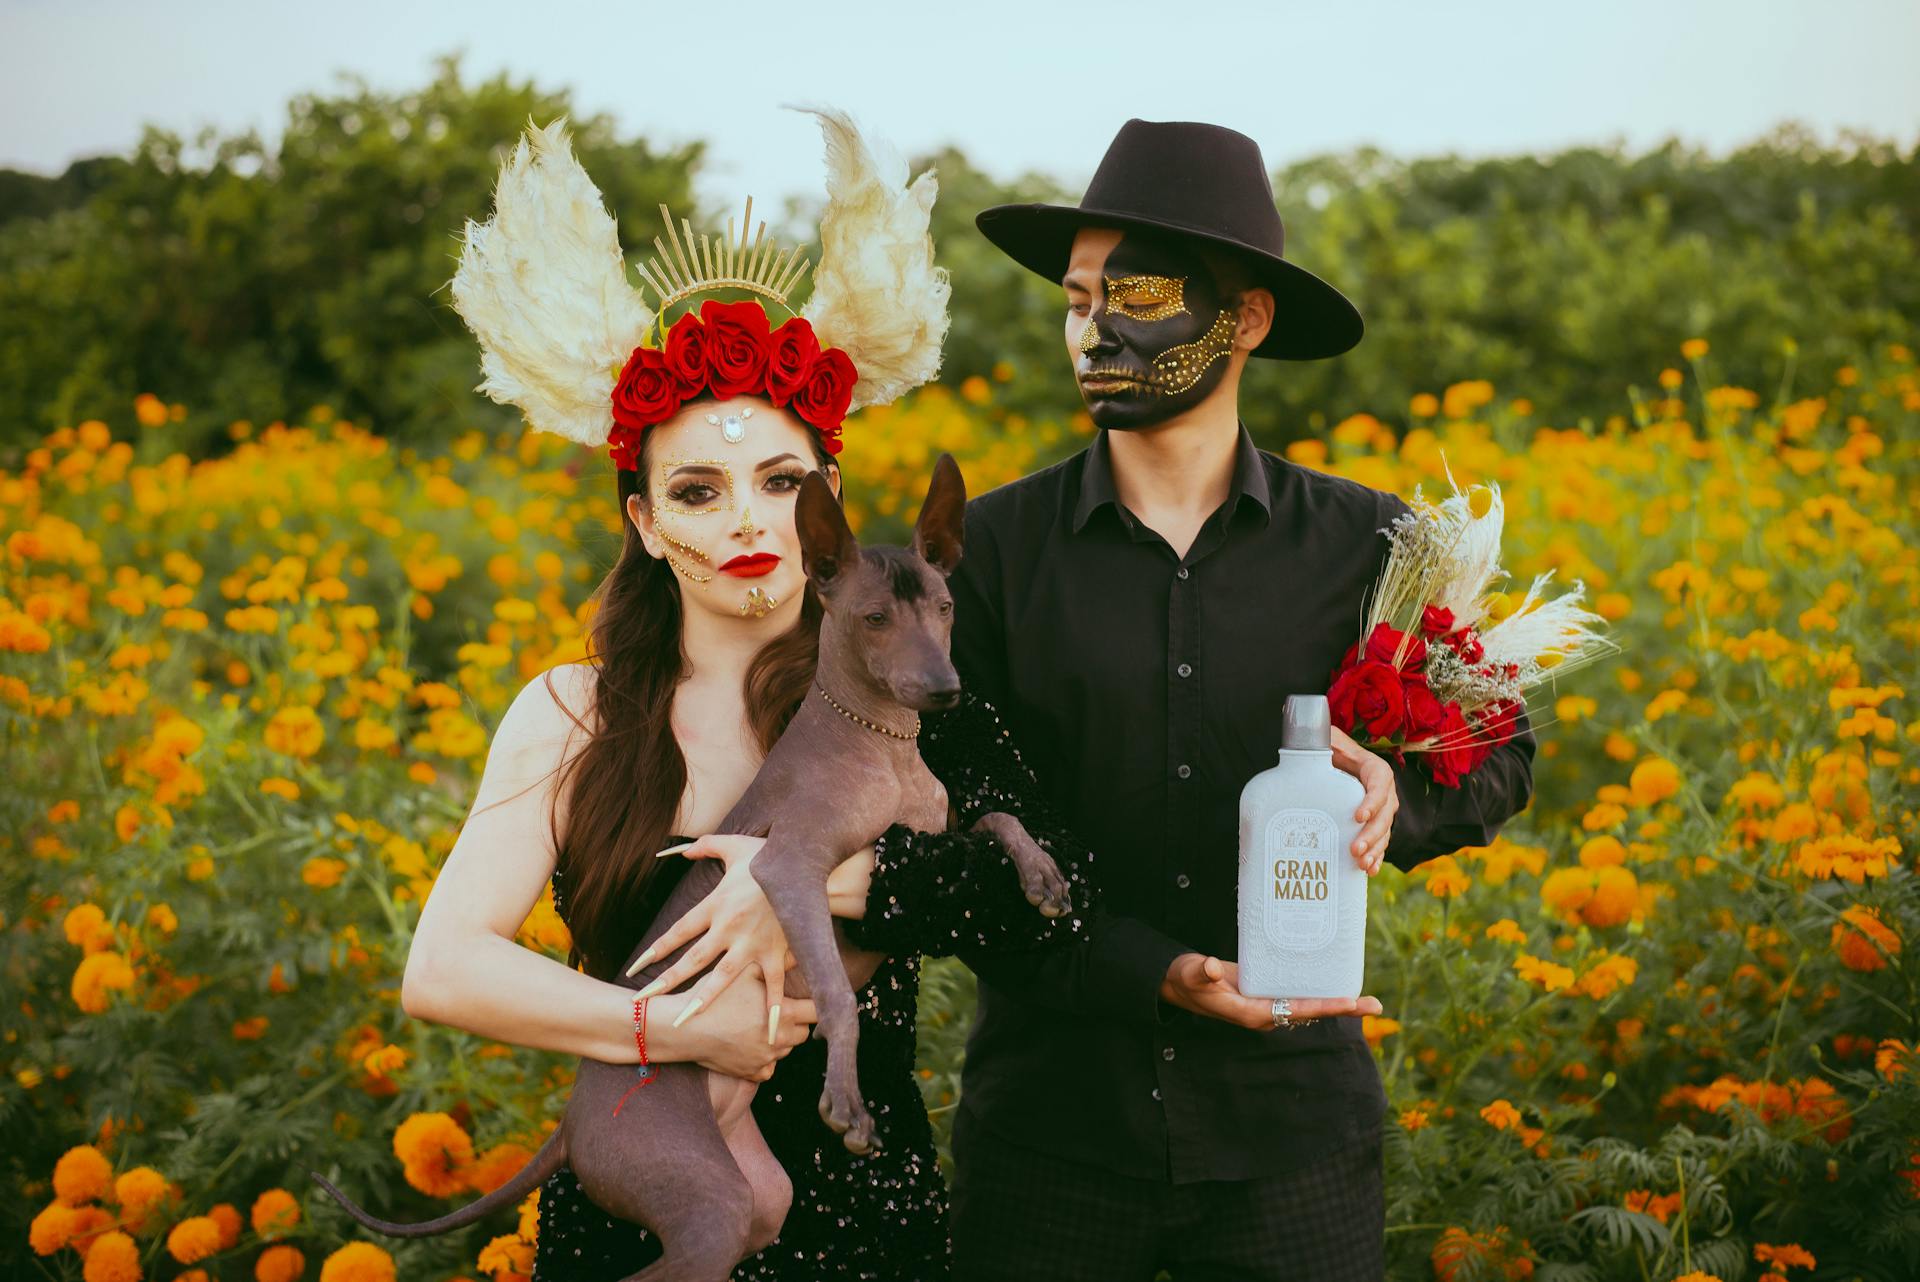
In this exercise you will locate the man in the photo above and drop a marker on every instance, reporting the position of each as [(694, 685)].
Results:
[(1138, 614)]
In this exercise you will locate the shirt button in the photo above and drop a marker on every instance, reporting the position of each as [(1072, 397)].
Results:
[(1185, 669), (1184, 770), (1156, 1092), (1183, 881), (1167, 1053), (1185, 572)]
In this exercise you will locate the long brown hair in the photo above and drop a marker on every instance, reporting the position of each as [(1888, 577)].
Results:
[(625, 784)]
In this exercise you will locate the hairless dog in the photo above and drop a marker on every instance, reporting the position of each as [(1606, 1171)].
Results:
[(684, 1157)]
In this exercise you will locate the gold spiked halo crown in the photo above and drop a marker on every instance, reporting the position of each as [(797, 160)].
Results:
[(682, 269)]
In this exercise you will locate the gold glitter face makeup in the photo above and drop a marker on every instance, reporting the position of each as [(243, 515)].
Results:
[(679, 501), (1147, 298), (1178, 368)]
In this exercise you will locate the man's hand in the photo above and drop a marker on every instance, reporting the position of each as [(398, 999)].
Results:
[(1211, 987), (1377, 808)]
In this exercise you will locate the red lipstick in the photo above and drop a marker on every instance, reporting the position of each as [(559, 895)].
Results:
[(750, 567)]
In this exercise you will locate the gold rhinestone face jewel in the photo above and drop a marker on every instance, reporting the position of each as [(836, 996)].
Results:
[(758, 604), (1178, 368), (733, 428), (686, 549), (680, 509), (746, 519), (1147, 298)]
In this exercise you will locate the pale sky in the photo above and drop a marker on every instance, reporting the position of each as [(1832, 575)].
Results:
[(1020, 86)]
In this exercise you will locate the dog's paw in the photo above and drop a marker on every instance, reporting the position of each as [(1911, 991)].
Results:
[(847, 1114), (1046, 887)]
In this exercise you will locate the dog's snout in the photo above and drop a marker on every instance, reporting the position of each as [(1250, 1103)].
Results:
[(944, 696)]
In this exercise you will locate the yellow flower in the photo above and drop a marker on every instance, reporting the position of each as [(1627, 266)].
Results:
[(226, 1216), (1694, 348), (1548, 977), (86, 927), (81, 1175), (1788, 1255), (1611, 973), (296, 731), (323, 871), (1507, 930), (1424, 405), (1653, 781), (1415, 1118), (95, 975), (506, 1254), (1444, 877), (1602, 852), (1377, 1028), (358, 1262)]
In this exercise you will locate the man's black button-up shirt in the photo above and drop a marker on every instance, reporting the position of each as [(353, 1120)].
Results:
[(1144, 689)]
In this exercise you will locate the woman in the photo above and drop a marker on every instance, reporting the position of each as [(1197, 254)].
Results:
[(702, 645)]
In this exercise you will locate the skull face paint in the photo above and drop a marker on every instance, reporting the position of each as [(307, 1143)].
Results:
[(1154, 339), (719, 505)]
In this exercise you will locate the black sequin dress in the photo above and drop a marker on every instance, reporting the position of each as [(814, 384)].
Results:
[(884, 1216)]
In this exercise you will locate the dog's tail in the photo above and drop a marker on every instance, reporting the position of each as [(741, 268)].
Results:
[(551, 1157)]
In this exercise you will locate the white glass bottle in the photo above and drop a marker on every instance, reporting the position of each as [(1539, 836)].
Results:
[(1303, 900)]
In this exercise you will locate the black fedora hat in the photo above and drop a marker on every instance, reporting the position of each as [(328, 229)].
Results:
[(1196, 180)]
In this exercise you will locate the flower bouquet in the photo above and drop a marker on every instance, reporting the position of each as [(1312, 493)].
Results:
[(1446, 659)]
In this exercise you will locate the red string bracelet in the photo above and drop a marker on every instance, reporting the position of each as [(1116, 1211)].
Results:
[(639, 1040)]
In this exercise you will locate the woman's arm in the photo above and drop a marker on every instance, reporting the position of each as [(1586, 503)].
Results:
[(465, 968)]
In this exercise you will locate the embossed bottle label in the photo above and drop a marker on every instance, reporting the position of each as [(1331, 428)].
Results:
[(1303, 908)]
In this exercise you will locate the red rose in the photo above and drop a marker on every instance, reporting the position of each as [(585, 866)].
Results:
[(1369, 698), (1466, 644), (1425, 712), (823, 399), (623, 447), (1436, 621), (645, 393), (686, 355), (791, 359), (1499, 722), (737, 346), (1385, 642), (1457, 755)]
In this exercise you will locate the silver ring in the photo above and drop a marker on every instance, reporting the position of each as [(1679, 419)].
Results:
[(1282, 1012)]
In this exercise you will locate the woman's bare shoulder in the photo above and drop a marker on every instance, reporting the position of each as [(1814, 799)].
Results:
[(552, 710)]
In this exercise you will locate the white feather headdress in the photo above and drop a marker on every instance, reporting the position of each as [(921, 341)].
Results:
[(877, 295), (543, 285)]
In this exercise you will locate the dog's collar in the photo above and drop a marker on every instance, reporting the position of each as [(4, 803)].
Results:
[(871, 725)]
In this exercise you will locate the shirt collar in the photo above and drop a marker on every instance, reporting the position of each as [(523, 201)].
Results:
[(1097, 488)]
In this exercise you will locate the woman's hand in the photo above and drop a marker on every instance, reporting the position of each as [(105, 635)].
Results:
[(731, 1037), (733, 930), (1378, 807), (1211, 987)]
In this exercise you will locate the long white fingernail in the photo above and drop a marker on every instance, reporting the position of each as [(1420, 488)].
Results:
[(640, 962), (773, 1022), (650, 989), (683, 1016)]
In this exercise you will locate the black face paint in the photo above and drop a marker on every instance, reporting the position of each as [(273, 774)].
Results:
[(1157, 344)]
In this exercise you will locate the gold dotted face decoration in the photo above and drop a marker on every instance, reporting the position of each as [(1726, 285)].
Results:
[(1179, 368), (678, 505), (1147, 298), (1089, 337)]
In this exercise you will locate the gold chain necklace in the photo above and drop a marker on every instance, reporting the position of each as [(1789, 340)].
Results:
[(871, 725)]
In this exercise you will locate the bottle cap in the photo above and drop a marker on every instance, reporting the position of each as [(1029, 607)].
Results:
[(1307, 724)]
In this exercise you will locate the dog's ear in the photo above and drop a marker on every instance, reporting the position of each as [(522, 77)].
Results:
[(828, 549), (937, 534)]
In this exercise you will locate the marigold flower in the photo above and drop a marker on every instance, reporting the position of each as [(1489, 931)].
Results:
[(1660, 1208), (1606, 976), (1444, 877), (113, 1258), (227, 1216), (435, 1153), (279, 1264), (1548, 977), (193, 1239), (358, 1262), (1500, 1115), (506, 1254), (323, 872), (498, 1165), (1788, 1255), (51, 1229), (1653, 781), (1415, 1118), (141, 1193), (275, 1213), (81, 1175), (1507, 930), (1862, 941), (86, 927), (296, 731), (97, 974)]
